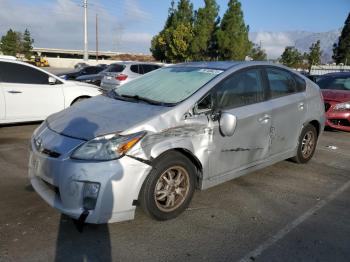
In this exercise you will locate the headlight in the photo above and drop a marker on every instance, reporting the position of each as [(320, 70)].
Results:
[(108, 147), (63, 76), (342, 106)]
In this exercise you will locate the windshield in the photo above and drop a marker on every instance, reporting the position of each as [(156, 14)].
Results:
[(335, 83), (169, 85)]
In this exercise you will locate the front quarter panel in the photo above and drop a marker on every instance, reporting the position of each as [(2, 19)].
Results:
[(72, 91), (191, 135)]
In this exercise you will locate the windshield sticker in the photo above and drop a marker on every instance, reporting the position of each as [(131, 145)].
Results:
[(210, 71)]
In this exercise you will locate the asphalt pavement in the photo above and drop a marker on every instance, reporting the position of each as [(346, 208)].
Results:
[(286, 212)]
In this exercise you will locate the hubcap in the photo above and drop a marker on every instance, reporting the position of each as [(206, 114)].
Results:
[(308, 144), (172, 188)]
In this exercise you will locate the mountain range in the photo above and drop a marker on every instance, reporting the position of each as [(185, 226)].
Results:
[(274, 43)]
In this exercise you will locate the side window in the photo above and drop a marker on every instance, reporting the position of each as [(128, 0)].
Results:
[(135, 69), (149, 68), (281, 82), (92, 70), (240, 89), (21, 74), (301, 84)]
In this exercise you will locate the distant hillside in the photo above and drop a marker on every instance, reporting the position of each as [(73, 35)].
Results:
[(275, 42)]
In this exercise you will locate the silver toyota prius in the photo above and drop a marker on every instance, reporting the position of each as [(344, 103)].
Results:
[(156, 139)]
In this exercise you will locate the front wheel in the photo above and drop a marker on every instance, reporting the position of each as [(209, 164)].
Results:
[(307, 144), (169, 187)]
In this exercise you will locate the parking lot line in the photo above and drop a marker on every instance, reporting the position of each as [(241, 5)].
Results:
[(283, 232)]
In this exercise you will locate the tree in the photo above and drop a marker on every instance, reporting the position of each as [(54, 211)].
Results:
[(27, 44), (257, 53), (314, 57), (232, 36), (341, 50), (11, 43), (172, 44), (291, 57), (205, 23), (158, 43)]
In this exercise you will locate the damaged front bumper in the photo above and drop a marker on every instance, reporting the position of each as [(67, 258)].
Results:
[(71, 185)]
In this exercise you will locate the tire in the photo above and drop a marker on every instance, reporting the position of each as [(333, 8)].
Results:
[(168, 189), (306, 144)]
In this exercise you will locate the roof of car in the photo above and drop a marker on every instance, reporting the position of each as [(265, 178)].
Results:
[(134, 62), (335, 74), (223, 65)]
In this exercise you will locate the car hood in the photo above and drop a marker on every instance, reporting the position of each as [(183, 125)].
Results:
[(101, 115), (336, 95)]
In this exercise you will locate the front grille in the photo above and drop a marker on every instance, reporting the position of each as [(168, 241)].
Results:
[(327, 106), (340, 122)]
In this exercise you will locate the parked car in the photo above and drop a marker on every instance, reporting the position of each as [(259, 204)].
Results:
[(336, 94), (95, 79), (152, 141), (28, 93), (314, 78), (104, 66), (72, 75), (131, 71), (80, 65)]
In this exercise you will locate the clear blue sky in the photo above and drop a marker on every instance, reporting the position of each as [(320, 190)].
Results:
[(128, 25)]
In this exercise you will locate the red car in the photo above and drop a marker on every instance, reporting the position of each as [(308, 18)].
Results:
[(336, 94)]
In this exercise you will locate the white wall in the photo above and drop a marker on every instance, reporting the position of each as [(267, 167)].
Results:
[(325, 69), (70, 62)]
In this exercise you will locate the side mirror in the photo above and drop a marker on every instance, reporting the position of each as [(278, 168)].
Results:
[(52, 80), (227, 124)]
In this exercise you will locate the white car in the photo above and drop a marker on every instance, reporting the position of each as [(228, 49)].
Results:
[(28, 93)]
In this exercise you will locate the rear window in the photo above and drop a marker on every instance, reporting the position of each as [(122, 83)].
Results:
[(335, 83), (115, 68)]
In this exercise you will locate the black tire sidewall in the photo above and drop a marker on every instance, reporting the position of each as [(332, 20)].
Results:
[(147, 192), (299, 157)]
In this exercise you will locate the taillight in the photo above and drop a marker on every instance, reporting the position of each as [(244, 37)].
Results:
[(121, 77)]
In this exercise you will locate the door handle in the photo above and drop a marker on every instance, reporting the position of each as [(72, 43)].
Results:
[(14, 92), (301, 106), (264, 119)]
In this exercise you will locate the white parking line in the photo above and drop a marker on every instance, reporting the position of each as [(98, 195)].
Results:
[(280, 234)]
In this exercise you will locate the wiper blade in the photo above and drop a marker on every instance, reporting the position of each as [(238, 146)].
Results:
[(147, 100), (114, 94)]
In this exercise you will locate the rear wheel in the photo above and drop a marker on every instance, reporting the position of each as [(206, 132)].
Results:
[(307, 144), (169, 188)]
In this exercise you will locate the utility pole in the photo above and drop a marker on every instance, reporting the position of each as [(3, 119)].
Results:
[(86, 55), (96, 38)]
